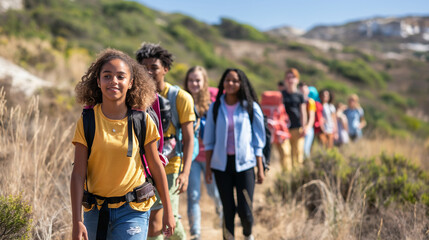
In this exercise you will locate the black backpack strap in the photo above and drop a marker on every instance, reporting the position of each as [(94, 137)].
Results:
[(139, 122), (88, 127), (152, 113), (130, 133), (89, 131), (216, 106)]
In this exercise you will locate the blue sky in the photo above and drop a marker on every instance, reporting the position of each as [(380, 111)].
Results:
[(302, 14)]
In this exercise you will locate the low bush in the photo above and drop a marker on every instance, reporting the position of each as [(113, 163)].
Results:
[(394, 99), (359, 71), (195, 44), (232, 29), (384, 179), (304, 68), (365, 56), (15, 218)]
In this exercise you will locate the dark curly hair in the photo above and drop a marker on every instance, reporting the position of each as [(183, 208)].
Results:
[(151, 50), (140, 96), (245, 93)]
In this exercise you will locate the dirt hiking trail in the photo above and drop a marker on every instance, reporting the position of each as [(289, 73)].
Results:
[(211, 225)]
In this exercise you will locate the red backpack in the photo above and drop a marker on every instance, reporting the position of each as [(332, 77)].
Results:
[(318, 118), (213, 93), (273, 108)]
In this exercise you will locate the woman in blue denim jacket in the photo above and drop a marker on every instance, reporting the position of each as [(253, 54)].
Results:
[(234, 137)]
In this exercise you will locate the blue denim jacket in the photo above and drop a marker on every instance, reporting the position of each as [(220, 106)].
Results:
[(248, 143)]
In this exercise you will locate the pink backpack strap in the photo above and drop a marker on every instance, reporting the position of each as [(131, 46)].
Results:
[(155, 106)]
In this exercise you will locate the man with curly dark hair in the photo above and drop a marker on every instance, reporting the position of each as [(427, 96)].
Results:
[(158, 61)]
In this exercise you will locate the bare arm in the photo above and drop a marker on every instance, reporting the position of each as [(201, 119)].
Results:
[(334, 120), (160, 179), (188, 148), (362, 122), (311, 119), (303, 117), (260, 174), (209, 178), (76, 190), (345, 122)]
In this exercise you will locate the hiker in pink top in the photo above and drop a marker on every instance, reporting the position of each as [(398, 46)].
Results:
[(196, 83)]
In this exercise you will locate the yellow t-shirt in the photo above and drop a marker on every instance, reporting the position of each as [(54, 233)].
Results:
[(110, 172), (185, 110), (311, 105)]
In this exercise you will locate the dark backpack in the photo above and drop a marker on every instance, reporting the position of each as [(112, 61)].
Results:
[(267, 148), (266, 151), (165, 110), (169, 114)]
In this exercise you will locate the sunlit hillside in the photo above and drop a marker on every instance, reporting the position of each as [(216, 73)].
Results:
[(56, 40), (65, 35)]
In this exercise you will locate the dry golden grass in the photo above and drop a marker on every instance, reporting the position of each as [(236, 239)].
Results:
[(411, 148), (337, 217), (35, 159)]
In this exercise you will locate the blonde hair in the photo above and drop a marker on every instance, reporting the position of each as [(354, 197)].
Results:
[(202, 100), (355, 98), (140, 96)]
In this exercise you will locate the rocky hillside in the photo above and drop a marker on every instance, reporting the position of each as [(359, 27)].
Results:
[(405, 33), (11, 4), (407, 29)]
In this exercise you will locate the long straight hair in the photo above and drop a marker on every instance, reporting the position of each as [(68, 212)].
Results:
[(202, 99), (245, 93)]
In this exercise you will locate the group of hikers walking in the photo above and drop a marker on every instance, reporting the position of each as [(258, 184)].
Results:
[(141, 142), (298, 114)]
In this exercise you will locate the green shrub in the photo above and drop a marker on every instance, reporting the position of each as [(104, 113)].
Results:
[(232, 29), (384, 180), (177, 73), (112, 8), (263, 70), (320, 58), (394, 99), (15, 218), (357, 70), (303, 67), (340, 89), (200, 29), (196, 44), (365, 56), (300, 47)]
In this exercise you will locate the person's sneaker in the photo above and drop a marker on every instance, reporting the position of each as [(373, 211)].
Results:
[(250, 237), (196, 237)]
